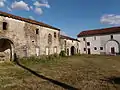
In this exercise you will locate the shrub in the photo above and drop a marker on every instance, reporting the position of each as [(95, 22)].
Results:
[(62, 54)]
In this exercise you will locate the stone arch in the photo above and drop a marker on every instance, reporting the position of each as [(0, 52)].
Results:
[(72, 50), (112, 47), (6, 49)]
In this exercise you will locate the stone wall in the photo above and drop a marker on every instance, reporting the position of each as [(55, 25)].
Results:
[(67, 44), (24, 41)]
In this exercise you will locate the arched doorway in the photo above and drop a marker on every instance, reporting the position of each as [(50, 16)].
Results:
[(6, 49), (112, 47), (72, 50)]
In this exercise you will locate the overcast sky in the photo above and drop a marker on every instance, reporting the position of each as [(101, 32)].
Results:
[(71, 16)]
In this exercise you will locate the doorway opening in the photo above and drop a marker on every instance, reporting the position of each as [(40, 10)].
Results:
[(89, 51), (112, 50), (6, 49), (72, 50)]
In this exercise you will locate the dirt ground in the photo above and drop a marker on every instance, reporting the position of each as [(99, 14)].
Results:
[(84, 72)]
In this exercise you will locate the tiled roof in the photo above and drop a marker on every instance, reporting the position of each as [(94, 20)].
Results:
[(67, 37), (27, 20), (99, 31)]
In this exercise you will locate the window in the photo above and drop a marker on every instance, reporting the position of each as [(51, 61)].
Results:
[(55, 49), (77, 50), (95, 48), (77, 43), (47, 50), (65, 43), (84, 49), (111, 36), (4, 25), (84, 39), (94, 37), (59, 35), (54, 34), (49, 39), (101, 48), (37, 31), (88, 43), (37, 51), (67, 51)]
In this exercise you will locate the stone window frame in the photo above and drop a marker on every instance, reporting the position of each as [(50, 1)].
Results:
[(55, 47), (84, 49), (6, 25), (37, 31), (95, 37), (101, 48), (55, 35), (111, 36), (95, 48), (88, 43), (84, 39), (49, 38), (46, 50)]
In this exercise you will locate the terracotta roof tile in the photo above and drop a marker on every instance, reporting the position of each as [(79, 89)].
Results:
[(27, 20), (99, 31)]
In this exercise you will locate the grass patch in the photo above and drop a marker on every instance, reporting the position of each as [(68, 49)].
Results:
[(88, 72)]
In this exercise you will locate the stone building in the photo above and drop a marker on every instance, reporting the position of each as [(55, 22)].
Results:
[(100, 41), (26, 37), (69, 45)]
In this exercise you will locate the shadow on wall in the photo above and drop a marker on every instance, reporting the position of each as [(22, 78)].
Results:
[(63, 85)]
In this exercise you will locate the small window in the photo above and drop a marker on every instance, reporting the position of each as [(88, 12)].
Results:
[(54, 34), (65, 43), (55, 49), (94, 37), (111, 36), (59, 35), (4, 25), (37, 31), (88, 43), (84, 39), (77, 44), (84, 49), (95, 48), (101, 48), (77, 50), (47, 51)]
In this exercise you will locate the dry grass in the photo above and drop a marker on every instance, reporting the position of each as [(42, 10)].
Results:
[(86, 72)]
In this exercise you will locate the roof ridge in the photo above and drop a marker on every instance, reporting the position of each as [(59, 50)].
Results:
[(102, 28), (99, 31), (27, 20)]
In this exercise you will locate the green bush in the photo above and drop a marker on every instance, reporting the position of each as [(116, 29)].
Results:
[(62, 54)]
